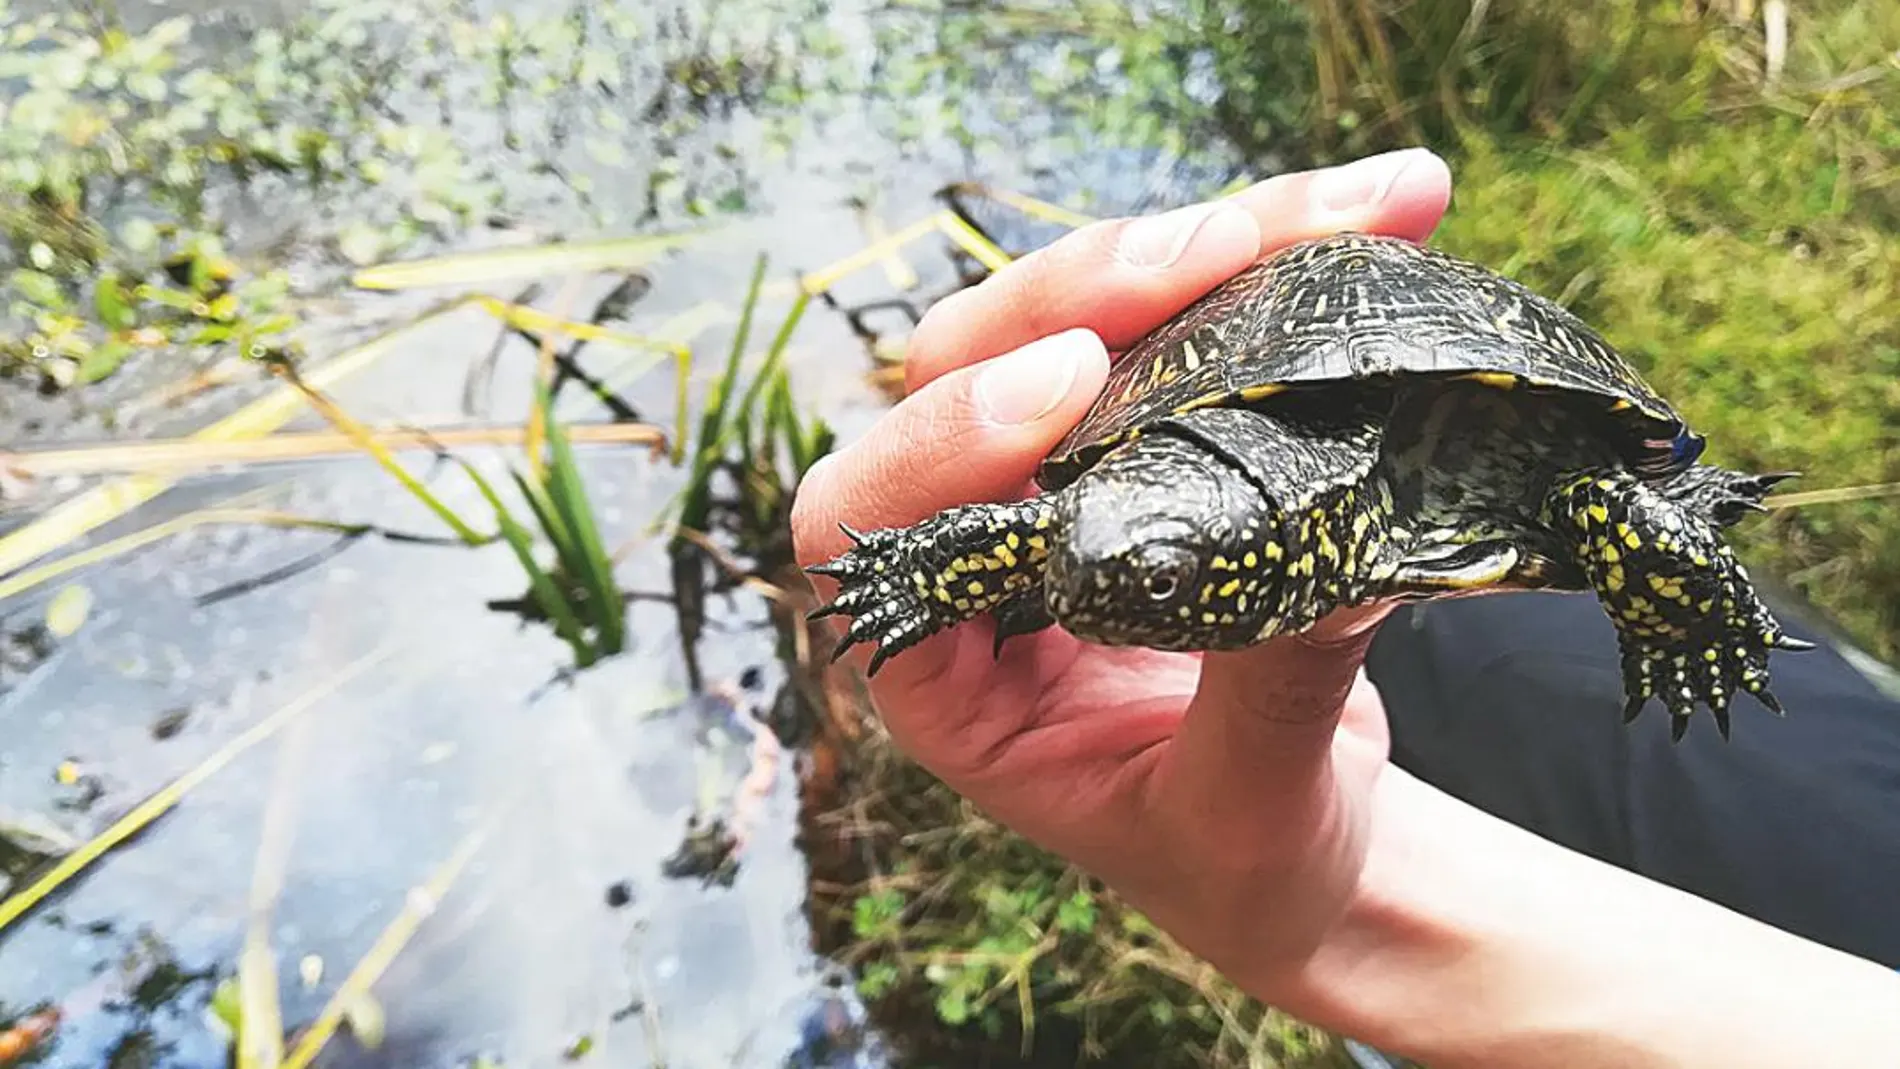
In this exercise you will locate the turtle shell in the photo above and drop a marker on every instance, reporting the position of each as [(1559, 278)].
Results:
[(1354, 306)]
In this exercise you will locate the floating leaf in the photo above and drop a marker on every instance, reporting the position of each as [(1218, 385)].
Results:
[(366, 1019), (360, 243), (39, 288), (223, 1009), (68, 610), (102, 361), (109, 299)]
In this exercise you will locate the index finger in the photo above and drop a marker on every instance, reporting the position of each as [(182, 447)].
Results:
[(1123, 277)]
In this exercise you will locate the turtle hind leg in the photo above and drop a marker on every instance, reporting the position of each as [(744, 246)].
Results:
[(1689, 623), (900, 586)]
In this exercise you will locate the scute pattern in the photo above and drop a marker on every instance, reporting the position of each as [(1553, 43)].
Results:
[(1355, 306)]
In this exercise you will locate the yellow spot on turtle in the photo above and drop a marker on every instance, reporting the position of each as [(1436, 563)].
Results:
[(1038, 543), (1599, 514), (1496, 379), (1221, 563), (975, 587), (1012, 541), (1003, 554), (1262, 391), (1232, 587), (1250, 560), (1209, 618), (1609, 551)]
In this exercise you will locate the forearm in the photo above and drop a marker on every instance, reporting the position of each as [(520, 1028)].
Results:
[(1478, 944)]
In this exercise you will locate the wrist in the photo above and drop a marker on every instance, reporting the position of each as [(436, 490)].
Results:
[(1474, 943)]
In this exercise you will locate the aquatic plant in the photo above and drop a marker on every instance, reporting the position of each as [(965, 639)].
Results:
[(174, 188)]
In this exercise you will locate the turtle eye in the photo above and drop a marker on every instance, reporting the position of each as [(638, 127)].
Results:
[(1167, 570)]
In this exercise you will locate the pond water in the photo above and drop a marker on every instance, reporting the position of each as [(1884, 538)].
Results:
[(433, 717)]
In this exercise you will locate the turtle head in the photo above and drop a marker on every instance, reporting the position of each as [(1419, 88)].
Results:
[(1163, 545)]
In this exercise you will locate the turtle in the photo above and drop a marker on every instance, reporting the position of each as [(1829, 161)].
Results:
[(1352, 419)]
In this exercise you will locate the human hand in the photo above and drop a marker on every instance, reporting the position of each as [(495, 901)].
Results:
[(1227, 795)]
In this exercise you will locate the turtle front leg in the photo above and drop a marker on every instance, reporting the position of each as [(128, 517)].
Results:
[(1688, 621), (903, 585)]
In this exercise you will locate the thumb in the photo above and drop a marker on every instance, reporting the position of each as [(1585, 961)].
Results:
[(1255, 755)]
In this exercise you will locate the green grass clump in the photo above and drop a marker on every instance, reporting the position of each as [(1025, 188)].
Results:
[(1023, 956)]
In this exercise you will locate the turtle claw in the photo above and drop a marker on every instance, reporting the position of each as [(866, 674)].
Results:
[(1707, 670), (1724, 497), (890, 625), (900, 586), (1678, 725), (1633, 707)]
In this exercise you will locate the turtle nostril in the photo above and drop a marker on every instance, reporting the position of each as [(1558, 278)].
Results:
[(1161, 587)]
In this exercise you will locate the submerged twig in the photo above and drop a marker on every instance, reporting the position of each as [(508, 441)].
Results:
[(418, 906), (188, 454), (76, 516), (171, 794), (27, 580)]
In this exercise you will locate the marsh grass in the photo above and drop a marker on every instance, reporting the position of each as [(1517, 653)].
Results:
[(951, 918)]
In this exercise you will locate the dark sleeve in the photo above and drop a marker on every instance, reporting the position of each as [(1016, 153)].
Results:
[(1513, 702)]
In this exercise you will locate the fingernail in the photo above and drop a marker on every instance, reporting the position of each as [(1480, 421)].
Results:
[(1028, 384), (1362, 183), (1161, 240)]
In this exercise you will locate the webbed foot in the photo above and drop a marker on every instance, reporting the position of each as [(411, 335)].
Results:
[(1708, 666), (1691, 628), (900, 586), (1723, 496)]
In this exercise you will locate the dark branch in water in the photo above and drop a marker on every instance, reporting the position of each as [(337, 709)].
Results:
[(297, 567)]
